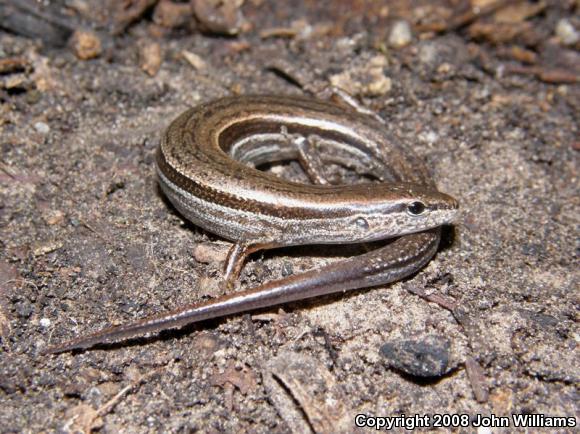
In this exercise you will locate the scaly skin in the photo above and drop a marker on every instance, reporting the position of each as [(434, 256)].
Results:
[(201, 169)]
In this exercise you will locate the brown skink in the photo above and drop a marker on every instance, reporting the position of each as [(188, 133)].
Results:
[(206, 167)]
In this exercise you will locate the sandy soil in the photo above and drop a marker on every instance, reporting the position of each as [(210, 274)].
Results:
[(87, 239)]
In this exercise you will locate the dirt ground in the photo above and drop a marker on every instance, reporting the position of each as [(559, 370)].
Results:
[(490, 101)]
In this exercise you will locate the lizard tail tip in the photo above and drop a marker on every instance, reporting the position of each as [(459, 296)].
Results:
[(63, 348)]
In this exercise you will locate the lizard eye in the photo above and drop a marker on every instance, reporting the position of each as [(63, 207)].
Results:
[(416, 208), (361, 223)]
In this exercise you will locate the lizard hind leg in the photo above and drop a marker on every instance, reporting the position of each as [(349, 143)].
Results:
[(237, 256), (312, 164), (307, 155)]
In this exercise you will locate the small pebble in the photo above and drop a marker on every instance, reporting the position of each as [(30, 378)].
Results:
[(45, 323), (400, 35), (86, 44), (207, 253), (194, 60), (366, 80), (220, 17), (151, 57), (171, 15), (566, 32), (429, 137), (428, 357), (42, 128), (209, 287), (287, 269)]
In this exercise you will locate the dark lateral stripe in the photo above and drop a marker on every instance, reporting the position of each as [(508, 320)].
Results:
[(228, 200)]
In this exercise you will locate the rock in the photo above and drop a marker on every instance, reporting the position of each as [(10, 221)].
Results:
[(42, 128), (210, 253), (400, 35), (172, 15), (222, 17), (428, 357), (151, 58), (194, 60), (566, 32), (365, 80), (86, 44)]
